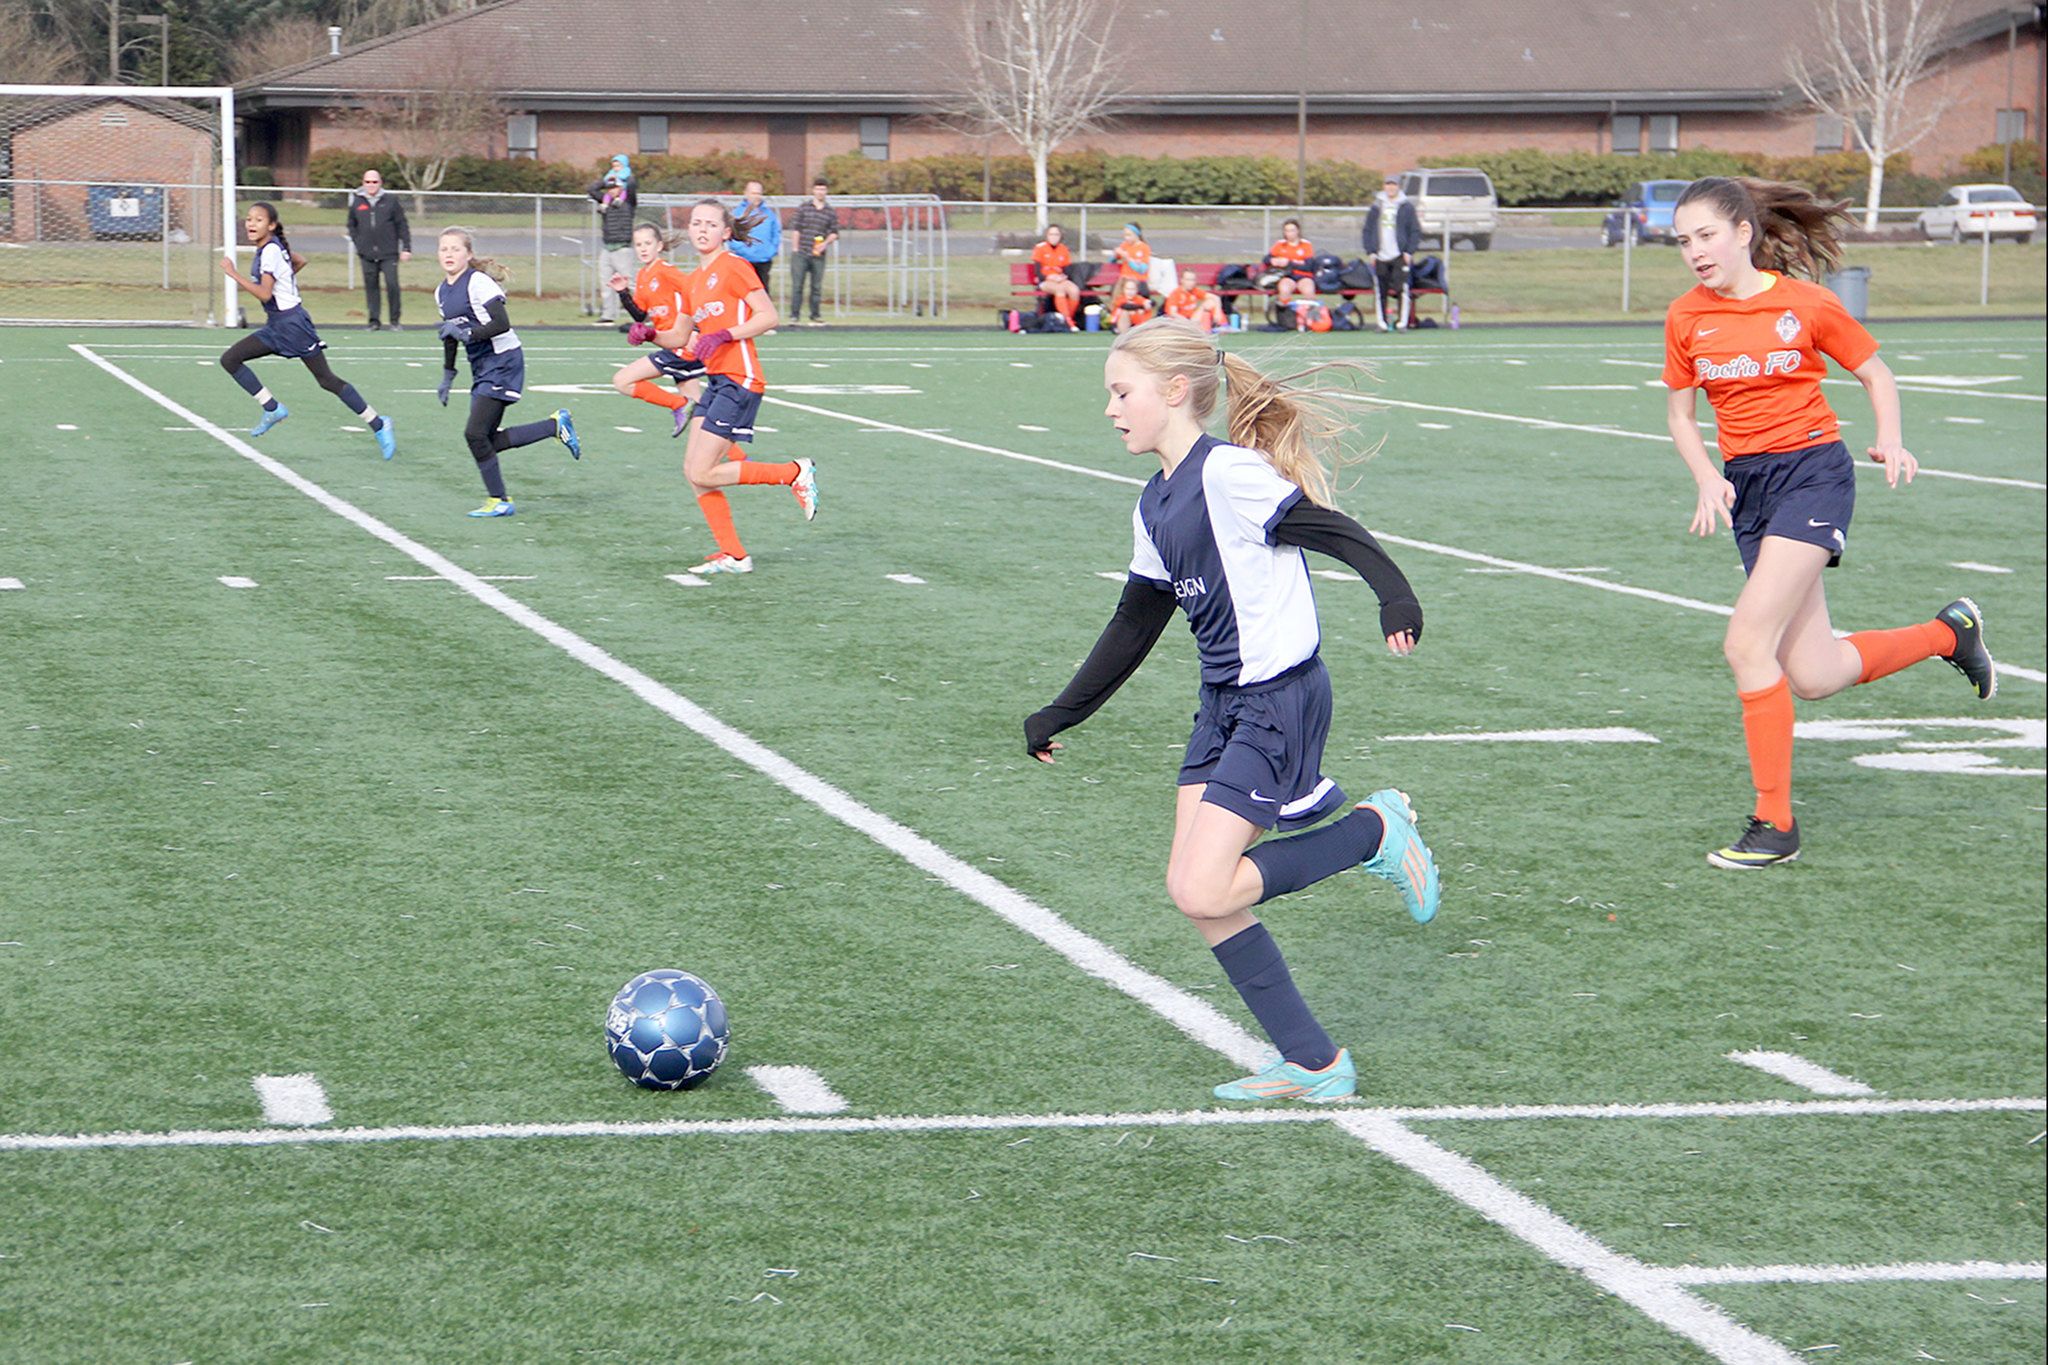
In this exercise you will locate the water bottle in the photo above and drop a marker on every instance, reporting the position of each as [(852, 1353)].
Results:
[(1454, 317)]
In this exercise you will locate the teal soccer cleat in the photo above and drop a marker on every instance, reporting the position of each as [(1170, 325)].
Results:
[(1285, 1081), (1403, 858), (565, 432), (386, 441), (270, 418), (494, 507)]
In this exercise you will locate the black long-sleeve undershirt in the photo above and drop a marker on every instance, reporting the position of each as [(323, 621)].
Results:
[(633, 310), (500, 323), (1145, 607)]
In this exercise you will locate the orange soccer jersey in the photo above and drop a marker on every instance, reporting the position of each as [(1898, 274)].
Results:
[(1292, 256), (1135, 254), (1761, 360), (1050, 259), (658, 292), (1136, 308), (1188, 303), (715, 295)]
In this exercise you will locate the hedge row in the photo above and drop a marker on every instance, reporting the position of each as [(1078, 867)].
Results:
[(722, 172)]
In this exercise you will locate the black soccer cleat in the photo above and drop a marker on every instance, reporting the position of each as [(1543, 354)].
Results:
[(1763, 844), (1971, 658)]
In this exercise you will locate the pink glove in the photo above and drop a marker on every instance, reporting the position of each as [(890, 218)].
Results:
[(708, 343), (640, 333)]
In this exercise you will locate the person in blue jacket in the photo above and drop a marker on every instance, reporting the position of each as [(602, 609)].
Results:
[(764, 242)]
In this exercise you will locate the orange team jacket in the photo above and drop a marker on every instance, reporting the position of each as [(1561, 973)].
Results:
[(1292, 256), (1761, 361), (658, 292), (1140, 309), (715, 294), (1187, 303), (1134, 253), (1050, 259)]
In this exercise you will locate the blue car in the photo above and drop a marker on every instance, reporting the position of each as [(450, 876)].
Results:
[(1645, 213)]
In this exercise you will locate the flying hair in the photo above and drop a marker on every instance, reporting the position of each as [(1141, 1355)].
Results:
[(1791, 229), (742, 228), (1296, 424), (483, 265), (668, 239)]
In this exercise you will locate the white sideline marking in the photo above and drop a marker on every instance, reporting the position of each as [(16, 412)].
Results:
[(1606, 734), (1851, 1274), (11, 585), (962, 1123), (295, 1101), (910, 579), (1196, 1018), (1026, 426), (689, 580), (436, 578), (1964, 421), (1789, 1066), (798, 1089), (1628, 1279), (236, 581), (1974, 567), (1335, 575)]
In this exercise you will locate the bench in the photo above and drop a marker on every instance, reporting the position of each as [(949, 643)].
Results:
[(1101, 283)]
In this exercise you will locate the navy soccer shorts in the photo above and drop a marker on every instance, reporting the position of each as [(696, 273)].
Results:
[(1806, 495), (728, 409), (498, 374), (1260, 749), (678, 367), (291, 334)]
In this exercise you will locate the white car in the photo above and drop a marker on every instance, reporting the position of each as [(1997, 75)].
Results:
[(1966, 210)]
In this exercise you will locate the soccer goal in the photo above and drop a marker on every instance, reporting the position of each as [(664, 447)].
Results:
[(113, 203)]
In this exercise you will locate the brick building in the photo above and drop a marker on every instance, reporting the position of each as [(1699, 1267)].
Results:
[(583, 79), (111, 143)]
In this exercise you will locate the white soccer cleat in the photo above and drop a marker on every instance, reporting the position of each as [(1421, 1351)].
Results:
[(725, 563), (805, 486)]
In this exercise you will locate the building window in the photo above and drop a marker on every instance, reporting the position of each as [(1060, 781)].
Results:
[(1628, 134), (1828, 132), (522, 136), (654, 134), (874, 138), (1663, 133), (2012, 126)]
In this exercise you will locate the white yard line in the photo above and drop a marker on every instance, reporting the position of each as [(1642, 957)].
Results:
[(293, 1101), (798, 1089), (1605, 734), (979, 1123), (1789, 1066), (1853, 1274)]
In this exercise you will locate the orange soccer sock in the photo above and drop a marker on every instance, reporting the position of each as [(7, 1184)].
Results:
[(647, 391), (1065, 305), (1888, 651), (754, 471), (718, 515), (1767, 726)]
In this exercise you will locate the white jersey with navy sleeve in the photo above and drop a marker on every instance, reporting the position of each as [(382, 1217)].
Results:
[(1206, 533), (273, 260), (466, 297)]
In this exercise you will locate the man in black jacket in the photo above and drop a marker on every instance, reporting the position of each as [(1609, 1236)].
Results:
[(382, 237), (616, 196), (1393, 230)]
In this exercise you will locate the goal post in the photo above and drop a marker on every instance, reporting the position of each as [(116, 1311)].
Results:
[(117, 203)]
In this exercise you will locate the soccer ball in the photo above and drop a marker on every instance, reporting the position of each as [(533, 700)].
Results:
[(666, 1030)]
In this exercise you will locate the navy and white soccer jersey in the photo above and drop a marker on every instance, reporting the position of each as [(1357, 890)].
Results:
[(287, 328), (497, 364), (273, 260), (1206, 534)]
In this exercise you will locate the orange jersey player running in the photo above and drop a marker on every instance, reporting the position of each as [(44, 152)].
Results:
[(726, 309), (1758, 342), (654, 300)]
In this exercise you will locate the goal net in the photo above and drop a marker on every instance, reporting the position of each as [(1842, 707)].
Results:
[(111, 203)]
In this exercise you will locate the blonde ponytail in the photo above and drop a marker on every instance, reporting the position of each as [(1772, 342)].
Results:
[(483, 265)]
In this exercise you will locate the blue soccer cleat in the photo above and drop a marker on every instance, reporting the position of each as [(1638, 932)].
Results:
[(1285, 1081), (1403, 858), (565, 432), (494, 507), (270, 418), (386, 442)]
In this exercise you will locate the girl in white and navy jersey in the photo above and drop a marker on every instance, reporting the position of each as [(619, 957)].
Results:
[(473, 315), (287, 329), (1220, 530)]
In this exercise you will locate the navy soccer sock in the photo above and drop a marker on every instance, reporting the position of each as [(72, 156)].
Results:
[(1304, 859), (355, 404), (494, 478), (525, 434), (1252, 961), (246, 377)]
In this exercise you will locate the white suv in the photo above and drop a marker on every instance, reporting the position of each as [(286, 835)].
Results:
[(1458, 199)]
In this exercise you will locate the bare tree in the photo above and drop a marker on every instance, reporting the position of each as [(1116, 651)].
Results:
[(1867, 60), (443, 105), (284, 43), (33, 55), (1039, 72)]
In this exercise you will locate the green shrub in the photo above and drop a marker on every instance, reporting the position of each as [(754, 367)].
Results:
[(1988, 163)]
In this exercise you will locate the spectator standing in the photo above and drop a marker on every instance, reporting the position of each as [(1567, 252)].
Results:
[(381, 236), (1392, 233), (616, 196), (765, 241), (816, 228)]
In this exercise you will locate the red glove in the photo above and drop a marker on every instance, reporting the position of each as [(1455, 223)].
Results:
[(707, 344), (640, 333)]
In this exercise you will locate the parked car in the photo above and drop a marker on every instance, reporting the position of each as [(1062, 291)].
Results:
[(1456, 198), (1644, 214), (1966, 210)]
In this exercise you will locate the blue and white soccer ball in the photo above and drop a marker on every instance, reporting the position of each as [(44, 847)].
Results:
[(666, 1030)]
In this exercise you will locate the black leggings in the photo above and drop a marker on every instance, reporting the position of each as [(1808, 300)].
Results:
[(483, 434), (252, 347)]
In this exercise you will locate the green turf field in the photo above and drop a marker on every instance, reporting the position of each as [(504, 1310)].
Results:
[(401, 815)]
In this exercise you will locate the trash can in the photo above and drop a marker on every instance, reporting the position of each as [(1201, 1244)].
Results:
[(125, 210), (1852, 286)]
